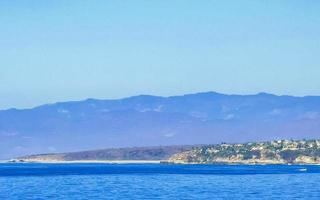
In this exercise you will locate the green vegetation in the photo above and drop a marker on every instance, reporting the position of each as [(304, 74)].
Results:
[(274, 152), (134, 153)]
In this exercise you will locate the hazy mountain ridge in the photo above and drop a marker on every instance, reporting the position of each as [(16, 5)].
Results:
[(151, 120)]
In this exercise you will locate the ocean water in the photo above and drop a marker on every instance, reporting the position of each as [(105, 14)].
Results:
[(158, 181)]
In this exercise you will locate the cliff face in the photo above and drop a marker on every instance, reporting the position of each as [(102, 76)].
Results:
[(275, 152)]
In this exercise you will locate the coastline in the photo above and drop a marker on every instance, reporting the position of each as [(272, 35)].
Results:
[(87, 161), (145, 162)]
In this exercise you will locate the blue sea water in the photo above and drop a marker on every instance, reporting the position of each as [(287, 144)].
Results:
[(158, 181)]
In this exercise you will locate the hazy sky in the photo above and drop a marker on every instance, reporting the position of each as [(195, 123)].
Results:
[(71, 50)]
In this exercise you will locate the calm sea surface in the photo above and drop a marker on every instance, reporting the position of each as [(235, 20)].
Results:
[(158, 181)]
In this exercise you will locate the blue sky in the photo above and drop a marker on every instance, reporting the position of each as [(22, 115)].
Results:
[(71, 50)]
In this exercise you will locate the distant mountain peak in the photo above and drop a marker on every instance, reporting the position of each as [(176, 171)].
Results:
[(265, 94)]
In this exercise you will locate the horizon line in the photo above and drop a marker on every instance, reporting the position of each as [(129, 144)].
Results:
[(156, 96)]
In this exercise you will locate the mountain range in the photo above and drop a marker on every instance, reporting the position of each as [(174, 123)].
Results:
[(202, 118)]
